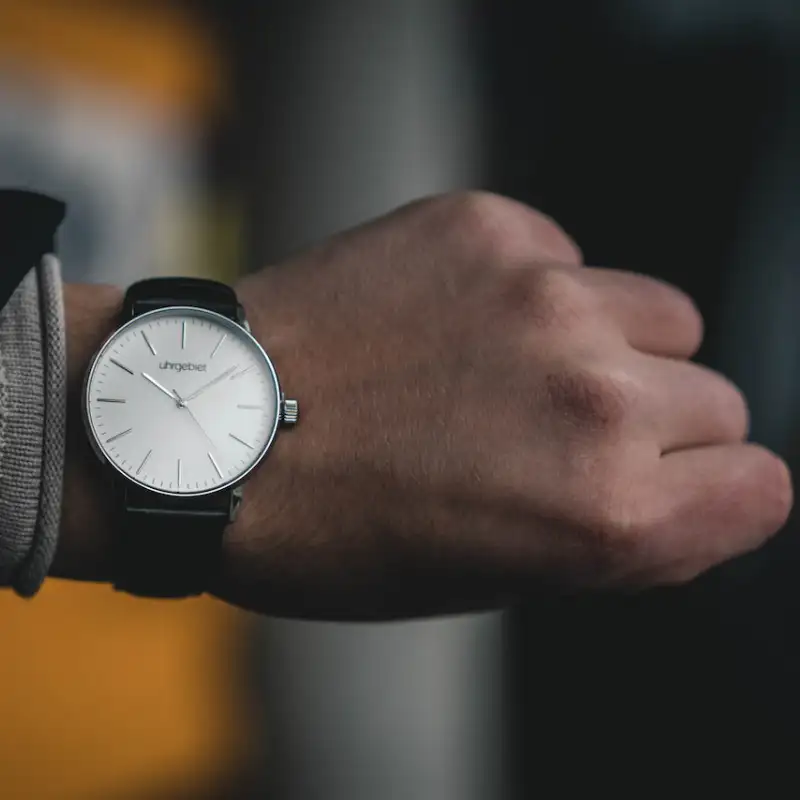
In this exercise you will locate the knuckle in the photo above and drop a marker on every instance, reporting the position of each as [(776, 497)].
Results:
[(486, 224), (592, 399), (555, 242), (616, 531), (500, 228), (555, 297)]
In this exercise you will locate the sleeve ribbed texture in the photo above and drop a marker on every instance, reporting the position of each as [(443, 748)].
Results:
[(32, 427)]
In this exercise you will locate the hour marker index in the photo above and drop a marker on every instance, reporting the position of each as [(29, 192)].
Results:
[(214, 462), (111, 400), (218, 344), (248, 407), (118, 436), (241, 441), (179, 472), (121, 366), (147, 342), (183, 339), (144, 461)]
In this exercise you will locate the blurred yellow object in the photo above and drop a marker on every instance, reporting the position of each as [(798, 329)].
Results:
[(148, 50), (103, 695)]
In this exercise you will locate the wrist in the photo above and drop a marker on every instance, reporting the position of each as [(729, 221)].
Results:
[(258, 558), (83, 552)]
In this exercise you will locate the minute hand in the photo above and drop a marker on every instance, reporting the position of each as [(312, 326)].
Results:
[(208, 385)]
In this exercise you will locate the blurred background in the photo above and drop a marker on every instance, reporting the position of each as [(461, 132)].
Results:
[(212, 138)]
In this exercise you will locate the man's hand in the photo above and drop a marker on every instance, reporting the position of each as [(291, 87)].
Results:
[(485, 417)]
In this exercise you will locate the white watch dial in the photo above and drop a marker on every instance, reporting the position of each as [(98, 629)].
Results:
[(182, 401)]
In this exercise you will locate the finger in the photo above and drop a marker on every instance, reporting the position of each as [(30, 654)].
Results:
[(654, 317), (689, 405), (721, 501)]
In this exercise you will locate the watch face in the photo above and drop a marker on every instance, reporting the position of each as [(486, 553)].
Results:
[(182, 401)]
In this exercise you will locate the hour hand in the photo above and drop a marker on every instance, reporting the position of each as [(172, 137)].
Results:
[(166, 391)]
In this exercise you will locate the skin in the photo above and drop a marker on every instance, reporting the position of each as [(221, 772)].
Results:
[(482, 417)]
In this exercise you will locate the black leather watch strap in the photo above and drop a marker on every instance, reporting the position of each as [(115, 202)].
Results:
[(156, 293), (169, 546), (28, 225)]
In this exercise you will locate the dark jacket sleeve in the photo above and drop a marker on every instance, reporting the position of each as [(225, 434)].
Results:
[(28, 224)]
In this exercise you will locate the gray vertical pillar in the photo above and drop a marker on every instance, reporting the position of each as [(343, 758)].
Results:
[(372, 103)]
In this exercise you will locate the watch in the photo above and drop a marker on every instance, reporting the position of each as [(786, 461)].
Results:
[(182, 404)]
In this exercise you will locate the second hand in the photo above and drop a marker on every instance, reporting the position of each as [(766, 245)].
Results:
[(182, 404)]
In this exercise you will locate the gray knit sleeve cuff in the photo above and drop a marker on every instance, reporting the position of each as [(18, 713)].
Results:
[(32, 427)]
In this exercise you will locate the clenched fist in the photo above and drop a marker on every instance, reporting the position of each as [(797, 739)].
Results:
[(483, 416)]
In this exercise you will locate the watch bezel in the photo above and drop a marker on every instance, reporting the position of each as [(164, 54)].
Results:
[(239, 329)]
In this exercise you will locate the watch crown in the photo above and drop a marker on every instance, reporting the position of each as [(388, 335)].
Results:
[(291, 412)]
